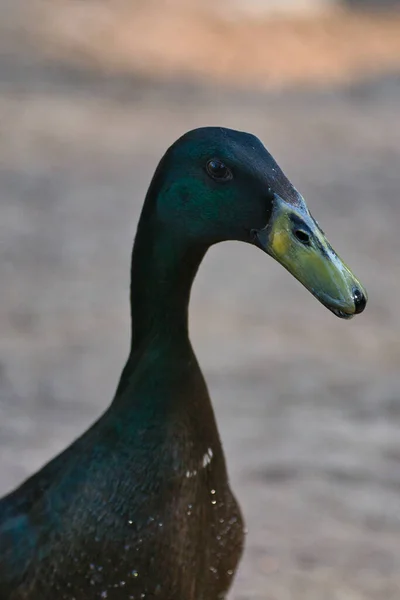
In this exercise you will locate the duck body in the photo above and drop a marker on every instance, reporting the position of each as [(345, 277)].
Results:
[(140, 505), (148, 514)]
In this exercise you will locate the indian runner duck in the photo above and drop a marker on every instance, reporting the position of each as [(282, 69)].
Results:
[(140, 505)]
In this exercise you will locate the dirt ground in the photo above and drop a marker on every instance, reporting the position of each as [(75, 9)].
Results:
[(217, 40), (308, 406)]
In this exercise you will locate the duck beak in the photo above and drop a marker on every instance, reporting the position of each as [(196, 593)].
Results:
[(295, 240)]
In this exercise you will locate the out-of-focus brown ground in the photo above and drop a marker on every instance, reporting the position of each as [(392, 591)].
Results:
[(213, 41), (308, 406)]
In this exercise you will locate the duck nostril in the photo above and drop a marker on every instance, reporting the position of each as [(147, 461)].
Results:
[(360, 300), (302, 236)]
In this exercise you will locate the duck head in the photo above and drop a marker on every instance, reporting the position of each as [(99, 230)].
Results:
[(217, 184)]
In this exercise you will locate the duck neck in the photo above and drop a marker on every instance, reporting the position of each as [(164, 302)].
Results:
[(163, 269)]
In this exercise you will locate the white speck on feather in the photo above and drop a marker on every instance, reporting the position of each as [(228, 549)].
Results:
[(191, 473), (207, 458)]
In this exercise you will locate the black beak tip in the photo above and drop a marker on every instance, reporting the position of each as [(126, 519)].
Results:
[(360, 301)]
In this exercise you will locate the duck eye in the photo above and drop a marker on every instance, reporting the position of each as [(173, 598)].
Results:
[(218, 170)]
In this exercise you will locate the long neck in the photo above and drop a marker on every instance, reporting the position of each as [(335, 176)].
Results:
[(164, 266), (162, 273), (163, 270)]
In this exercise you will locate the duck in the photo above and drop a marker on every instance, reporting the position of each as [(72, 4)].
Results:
[(140, 505)]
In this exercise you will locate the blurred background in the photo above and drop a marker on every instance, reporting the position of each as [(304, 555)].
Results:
[(91, 94)]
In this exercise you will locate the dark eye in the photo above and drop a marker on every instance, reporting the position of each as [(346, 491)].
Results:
[(218, 170)]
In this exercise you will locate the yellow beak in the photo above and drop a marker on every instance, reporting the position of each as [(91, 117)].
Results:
[(295, 240)]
